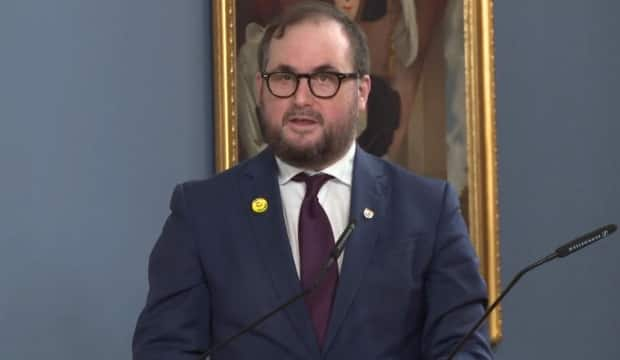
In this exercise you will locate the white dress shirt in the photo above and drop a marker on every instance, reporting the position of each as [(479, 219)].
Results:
[(334, 196)]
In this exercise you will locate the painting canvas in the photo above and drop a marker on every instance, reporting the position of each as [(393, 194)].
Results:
[(431, 105)]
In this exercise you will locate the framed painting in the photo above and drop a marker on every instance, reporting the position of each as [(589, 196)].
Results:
[(432, 103)]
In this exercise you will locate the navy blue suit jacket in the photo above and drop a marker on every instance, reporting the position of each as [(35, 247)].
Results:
[(409, 286)]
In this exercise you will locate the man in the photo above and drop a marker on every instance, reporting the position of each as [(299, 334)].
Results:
[(241, 243)]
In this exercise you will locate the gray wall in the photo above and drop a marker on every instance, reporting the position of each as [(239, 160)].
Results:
[(557, 99), (103, 108), (104, 105)]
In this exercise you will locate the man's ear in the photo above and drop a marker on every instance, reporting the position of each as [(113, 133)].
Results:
[(258, 85), (364, 85)]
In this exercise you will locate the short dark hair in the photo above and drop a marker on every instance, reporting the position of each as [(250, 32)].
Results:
[(317, 10)]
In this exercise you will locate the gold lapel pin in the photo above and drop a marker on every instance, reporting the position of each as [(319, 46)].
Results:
[(368, 213), (260, 205)]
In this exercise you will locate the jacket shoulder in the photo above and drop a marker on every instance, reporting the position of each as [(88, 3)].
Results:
[(404, 180)]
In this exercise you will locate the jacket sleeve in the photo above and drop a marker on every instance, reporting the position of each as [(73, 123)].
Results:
[(174, 324), (456, 294)]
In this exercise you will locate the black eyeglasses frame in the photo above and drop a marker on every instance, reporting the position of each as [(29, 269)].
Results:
[(340, 76)]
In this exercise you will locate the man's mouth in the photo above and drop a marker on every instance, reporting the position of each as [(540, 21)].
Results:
[(302, 121), (302, 124)]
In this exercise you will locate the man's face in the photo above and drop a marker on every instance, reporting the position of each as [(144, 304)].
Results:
[(304, 130)]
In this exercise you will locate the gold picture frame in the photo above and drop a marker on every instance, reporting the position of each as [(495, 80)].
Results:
[(482, 205)]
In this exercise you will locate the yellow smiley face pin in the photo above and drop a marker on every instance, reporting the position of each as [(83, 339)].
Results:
[(260, 205)]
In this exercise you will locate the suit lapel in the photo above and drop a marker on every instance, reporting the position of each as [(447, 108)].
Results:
[(368, 197), (269, 230)]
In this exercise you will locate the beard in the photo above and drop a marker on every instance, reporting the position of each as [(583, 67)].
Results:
[(331, 146)]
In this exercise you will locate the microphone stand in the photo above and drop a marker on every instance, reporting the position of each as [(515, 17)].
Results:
[(497, 301), (563, 251)]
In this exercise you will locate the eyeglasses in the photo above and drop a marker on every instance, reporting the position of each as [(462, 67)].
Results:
[(323, 84)]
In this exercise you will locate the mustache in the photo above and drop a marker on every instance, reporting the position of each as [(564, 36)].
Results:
[(304, 113)]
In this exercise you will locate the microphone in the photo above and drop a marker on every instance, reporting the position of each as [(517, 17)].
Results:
[(563, 251), (585, 240), (333, 257)]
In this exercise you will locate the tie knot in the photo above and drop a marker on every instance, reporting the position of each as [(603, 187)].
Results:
[(313, 183)]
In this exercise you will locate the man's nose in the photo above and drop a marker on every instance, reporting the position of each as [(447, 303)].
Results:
[(303, 95)]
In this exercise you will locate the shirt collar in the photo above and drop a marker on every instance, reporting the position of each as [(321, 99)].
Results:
[(341, 170)]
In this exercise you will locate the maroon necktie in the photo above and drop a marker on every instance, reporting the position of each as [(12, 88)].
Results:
[(316, 240)]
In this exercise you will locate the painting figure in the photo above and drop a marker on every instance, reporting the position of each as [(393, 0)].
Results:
[(417, 113)]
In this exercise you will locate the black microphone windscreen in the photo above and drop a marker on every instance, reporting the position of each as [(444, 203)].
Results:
[(585, 240)]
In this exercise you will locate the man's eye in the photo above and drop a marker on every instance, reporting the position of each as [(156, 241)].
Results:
[(286, 77), (322, 77)]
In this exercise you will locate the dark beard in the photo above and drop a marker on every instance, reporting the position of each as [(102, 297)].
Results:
[(330, 148)]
